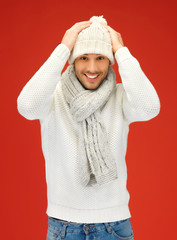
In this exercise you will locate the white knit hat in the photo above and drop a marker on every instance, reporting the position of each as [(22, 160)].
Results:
[(93, 39)]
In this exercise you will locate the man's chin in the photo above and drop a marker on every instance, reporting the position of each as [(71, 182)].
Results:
[(91, 88)]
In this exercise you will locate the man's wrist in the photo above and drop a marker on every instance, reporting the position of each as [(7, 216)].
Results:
[(117, 48)]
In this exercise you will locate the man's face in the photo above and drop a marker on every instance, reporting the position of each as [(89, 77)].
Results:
[(91, 69)]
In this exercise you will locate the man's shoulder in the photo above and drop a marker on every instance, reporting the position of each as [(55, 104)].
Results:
[(119, 86), (119, 91)]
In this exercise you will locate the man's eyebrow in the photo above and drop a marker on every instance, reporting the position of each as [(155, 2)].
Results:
[(93, 53)]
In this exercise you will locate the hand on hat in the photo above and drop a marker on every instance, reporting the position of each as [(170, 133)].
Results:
[(116, 38), (71, 34)]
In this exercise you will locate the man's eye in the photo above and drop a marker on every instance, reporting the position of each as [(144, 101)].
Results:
[(101, 58), (83, 58)]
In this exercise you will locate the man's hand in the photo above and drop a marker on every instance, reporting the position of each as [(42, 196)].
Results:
[(116, 38), (71, 34)]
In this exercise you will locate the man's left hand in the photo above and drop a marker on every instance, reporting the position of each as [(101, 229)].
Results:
[(116, 38)]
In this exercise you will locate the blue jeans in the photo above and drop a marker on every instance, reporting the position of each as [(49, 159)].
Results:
[(60, 229)]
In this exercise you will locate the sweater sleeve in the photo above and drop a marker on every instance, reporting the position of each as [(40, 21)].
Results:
[(140, 101), (35, 99)]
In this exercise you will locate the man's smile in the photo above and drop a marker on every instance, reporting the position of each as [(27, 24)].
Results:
[(92, 78)]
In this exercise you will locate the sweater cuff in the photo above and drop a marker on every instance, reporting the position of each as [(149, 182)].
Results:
[(122, 54), (61, 51)]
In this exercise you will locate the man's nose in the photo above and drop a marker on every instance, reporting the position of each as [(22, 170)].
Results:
[(92, 67)]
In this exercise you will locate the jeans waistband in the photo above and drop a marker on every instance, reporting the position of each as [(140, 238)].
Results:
[(59, 222)]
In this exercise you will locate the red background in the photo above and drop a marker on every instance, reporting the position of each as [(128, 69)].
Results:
[(30, 31)]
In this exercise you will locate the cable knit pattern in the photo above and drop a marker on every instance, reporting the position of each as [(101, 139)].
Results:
[(96, 163), (135, 99)]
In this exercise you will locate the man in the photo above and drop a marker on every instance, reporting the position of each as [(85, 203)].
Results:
[(85, 118)]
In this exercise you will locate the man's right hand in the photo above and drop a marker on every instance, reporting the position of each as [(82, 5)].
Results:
[(71, 34)]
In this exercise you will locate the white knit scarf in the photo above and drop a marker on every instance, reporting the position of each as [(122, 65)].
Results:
[(96, 164)]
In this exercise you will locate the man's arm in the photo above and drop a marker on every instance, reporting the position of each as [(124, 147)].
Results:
[(140, 100), (35, 99)]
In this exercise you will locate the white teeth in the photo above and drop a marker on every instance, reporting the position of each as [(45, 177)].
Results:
[(91, 76)]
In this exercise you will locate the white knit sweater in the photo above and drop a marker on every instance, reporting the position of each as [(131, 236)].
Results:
[(135, 99)]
